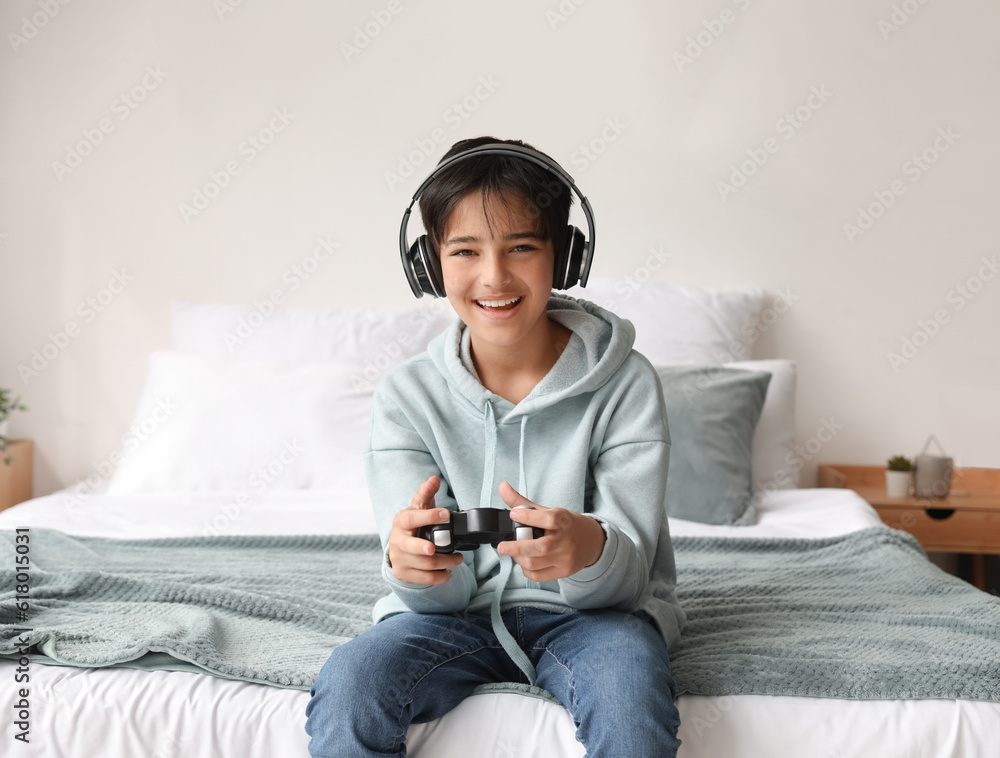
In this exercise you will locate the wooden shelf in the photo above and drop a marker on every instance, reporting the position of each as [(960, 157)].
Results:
[(15, 479)]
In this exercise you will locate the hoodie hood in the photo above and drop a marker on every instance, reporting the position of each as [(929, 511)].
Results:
[(600, 343)]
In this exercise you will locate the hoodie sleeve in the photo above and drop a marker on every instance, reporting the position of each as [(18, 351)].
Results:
[(630, 481), (396, 463)]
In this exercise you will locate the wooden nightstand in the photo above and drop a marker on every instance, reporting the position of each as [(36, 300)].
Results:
[(15, 479), (967, 521)]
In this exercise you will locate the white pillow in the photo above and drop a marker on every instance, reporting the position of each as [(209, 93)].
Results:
[(775, 465), (375, 340), (236, 424), (680, 325)]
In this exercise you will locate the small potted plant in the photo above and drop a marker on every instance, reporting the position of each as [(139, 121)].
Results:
[(7, 406), (898, 476)]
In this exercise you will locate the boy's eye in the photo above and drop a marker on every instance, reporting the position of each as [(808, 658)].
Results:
[(524, 248), (463, 252)]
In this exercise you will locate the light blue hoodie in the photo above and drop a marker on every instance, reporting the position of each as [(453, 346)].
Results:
[(590, 437)]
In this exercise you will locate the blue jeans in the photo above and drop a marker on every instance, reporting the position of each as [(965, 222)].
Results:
[(610, 669)]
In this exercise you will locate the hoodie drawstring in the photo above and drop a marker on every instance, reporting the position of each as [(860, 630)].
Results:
[(505, 638), (489, 468), (522, 485)]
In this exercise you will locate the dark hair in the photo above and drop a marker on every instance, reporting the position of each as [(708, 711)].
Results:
[(547, 198)]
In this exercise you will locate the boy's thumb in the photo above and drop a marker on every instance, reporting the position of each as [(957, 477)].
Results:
[(511, 496)]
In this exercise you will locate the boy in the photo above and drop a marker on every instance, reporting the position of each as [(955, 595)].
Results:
[(546, 387)]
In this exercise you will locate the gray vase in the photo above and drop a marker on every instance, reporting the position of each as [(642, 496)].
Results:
[(932, 473)]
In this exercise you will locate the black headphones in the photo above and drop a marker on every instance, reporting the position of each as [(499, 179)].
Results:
[(572, 263)]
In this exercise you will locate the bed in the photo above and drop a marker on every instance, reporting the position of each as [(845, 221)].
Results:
[(231, 442)]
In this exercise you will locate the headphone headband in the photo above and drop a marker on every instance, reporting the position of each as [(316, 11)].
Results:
[(416, 259)]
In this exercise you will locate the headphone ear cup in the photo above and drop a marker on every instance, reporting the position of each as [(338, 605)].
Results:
[(559, 263), (569, 263), (426, 267)]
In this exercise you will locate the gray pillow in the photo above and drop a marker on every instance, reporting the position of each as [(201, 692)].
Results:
[(712, 412)]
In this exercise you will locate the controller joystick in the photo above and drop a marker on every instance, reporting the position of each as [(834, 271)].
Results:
[(467, 530)]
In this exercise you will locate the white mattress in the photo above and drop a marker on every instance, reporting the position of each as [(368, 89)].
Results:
[(127, 712)]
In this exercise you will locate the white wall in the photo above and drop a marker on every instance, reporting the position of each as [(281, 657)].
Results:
[(557, 75)]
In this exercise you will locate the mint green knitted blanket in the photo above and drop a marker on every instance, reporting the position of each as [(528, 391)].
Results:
[(860, 616)]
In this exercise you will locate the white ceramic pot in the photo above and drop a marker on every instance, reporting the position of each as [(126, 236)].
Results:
[(897, 483), (3, 427)]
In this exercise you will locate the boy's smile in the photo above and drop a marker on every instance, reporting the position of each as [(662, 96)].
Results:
[(499, 281), (499, 308)]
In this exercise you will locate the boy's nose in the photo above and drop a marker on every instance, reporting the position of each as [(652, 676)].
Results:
[(495, 270)]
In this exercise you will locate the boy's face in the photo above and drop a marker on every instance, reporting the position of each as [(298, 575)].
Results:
[(483, 268)]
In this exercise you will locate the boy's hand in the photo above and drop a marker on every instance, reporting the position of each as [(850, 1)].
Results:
[(572, 540), (412, 558)]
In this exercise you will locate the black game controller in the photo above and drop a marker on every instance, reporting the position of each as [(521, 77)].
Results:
[(467, 530)]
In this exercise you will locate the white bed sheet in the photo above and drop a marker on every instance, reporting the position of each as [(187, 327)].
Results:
[(122, 712)]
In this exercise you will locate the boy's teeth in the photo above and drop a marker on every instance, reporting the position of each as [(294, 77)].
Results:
[(497, 303)]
